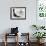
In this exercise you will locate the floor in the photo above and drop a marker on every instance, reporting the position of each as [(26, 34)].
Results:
[(13, 44)]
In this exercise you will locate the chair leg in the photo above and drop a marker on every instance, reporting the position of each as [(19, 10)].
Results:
[(5, 43), (5, 39)]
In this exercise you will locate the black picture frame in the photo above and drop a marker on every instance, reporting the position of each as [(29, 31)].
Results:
[(16, 16)]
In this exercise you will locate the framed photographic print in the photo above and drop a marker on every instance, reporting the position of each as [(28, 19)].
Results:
[(41, 12), (41, 8), (18, 13)]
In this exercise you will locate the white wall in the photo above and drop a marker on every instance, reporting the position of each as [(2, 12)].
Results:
[(24, 25)]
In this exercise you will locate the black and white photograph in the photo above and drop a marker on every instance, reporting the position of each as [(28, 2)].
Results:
[(18, 13)]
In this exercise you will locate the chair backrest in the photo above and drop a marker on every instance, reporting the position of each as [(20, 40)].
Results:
[(14, 30)]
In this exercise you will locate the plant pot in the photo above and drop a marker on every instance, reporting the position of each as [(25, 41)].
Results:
[(40, 41)]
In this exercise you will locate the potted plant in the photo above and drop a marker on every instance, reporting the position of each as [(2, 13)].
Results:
[(38, 27), (39, 35), (35, 26)]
